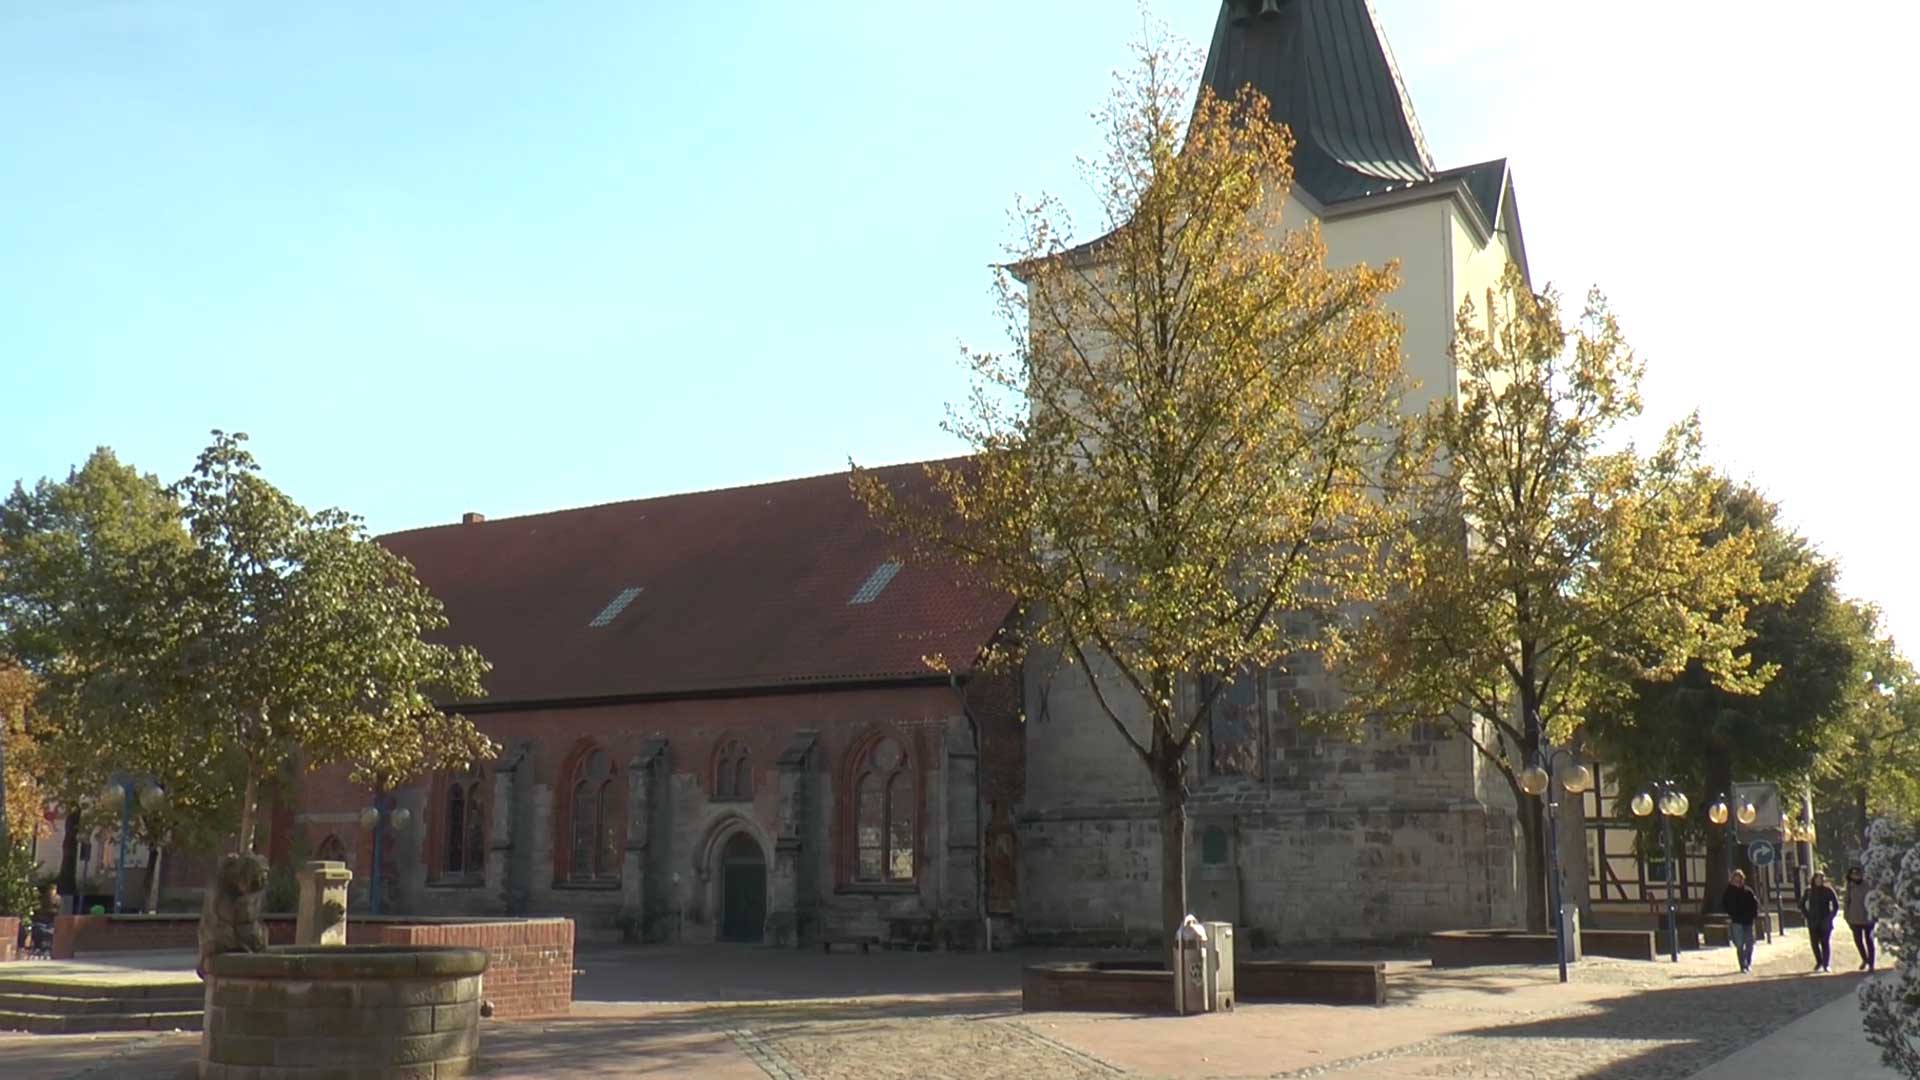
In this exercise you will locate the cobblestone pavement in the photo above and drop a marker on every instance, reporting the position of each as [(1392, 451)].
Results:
[(1617, 1019)]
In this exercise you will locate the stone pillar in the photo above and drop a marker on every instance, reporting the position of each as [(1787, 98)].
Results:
[(644, 778), (789, 908), (322, 916), (959, 854), (502, 825)]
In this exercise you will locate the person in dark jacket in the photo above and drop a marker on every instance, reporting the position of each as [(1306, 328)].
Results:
[(1859, 919), (1820, 904), (1742, 907)]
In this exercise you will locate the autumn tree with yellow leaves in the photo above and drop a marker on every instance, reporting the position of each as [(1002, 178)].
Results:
[(1550, 568), (1182, 445)]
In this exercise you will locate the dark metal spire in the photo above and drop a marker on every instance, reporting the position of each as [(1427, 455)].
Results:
[(1325, 68)]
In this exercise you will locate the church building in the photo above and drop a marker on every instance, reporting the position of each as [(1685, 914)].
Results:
[(1297, 837), (718, 721)]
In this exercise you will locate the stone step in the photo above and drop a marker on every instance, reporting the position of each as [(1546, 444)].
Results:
[(64, 1024), (73, 1005), (90, 989)]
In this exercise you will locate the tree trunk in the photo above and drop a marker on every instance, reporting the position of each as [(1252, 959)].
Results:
[(1173, 867), (247, 811), (69, 884), (151, 886), (1859, 845), (1533, 834), (1720, 854), (1169, 766)]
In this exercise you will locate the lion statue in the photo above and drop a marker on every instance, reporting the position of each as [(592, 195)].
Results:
[(230, 915)]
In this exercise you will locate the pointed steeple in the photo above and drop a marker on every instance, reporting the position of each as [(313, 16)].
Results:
[(1325, 67)]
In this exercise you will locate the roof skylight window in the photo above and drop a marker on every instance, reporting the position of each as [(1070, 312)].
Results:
[(870, 591), (615, 606)]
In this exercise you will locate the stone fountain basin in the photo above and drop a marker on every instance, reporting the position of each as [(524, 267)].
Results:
[(374, 1010)]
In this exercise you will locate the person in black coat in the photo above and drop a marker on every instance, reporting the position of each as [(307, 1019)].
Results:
[(1742, 907), (1820, 904)]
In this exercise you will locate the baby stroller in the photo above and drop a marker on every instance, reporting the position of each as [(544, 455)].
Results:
[(38, 940)]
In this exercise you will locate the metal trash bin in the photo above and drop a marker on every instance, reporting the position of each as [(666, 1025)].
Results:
[(1570, 932), (1220, 948), (1203, 967), (1192, 968)]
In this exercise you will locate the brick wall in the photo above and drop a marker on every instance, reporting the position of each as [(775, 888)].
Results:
[(530, 971), (76, 934), (9, 938), (530, 967)]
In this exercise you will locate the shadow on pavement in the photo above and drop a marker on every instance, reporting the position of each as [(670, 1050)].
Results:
[(1691, 1026)]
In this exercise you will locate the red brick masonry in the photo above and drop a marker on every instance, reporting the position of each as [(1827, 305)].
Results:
[(529, 973), (76, 934), (530, 968)]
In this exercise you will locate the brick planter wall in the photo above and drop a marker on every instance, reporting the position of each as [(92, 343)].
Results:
[(1478, 948), (1319, 982), (531, 960), (76, 934), (1096, 988), (530, 966), (9, 938)]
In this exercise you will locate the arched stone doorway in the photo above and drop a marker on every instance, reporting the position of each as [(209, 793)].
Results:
[(743, 889)]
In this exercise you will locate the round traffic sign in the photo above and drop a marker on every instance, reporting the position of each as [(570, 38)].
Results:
[(1762, 852)]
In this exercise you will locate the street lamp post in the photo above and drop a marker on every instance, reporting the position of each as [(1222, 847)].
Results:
[(376, 818), (1722, 813), (1537, 779), (126, 790), (1672, 803)]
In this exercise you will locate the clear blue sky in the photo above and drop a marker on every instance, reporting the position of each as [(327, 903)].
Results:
[(506, 257)]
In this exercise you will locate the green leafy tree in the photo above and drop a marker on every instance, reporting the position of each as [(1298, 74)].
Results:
[(20, 796), (1869, 766), (1548, 574), (1693, 730), (308, 642), (89, 573), (1179, 450)]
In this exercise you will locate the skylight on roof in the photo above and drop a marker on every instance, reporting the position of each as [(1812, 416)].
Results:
[(615, 606), (870, 591)]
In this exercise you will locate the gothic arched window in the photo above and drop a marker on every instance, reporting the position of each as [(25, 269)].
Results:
[(732, 776), (465, 852), (331, 850), (593, 853), (883, 804)]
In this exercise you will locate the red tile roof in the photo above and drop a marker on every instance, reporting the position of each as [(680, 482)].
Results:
[(744, 588)]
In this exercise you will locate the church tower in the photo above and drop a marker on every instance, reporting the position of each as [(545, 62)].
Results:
[(1295, 837)]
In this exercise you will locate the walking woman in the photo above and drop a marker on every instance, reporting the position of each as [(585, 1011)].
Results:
[(1820, 905), (1742, 907), (1859, 919)]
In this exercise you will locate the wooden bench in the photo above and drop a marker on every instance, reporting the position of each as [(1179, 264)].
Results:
[(865, 943)]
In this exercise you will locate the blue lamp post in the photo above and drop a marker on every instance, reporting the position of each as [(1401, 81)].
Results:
[(377, 818), (1537, 779), (126, 790), (1666, 796)]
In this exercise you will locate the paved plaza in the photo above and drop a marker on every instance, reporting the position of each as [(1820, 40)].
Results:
[(752, 1013)]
